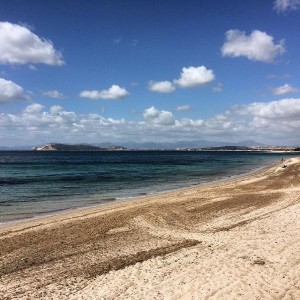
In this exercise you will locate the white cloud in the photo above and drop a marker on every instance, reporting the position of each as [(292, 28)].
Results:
[(275, 122), (281, 127), (285, 109), (282, 6), (18, 45), (258, 46), (159, 117), (284, 89), (11, 92), (115, 92), (186, 123), (53, 94), (183, 108), (194, 76), (190, 77), (161, 86), (219, 123), (33, 108), (56, 109)]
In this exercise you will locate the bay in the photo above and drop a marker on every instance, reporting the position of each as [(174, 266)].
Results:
[(33, 183)]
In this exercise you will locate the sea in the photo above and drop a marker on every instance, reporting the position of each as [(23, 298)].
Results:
[(37, 183)]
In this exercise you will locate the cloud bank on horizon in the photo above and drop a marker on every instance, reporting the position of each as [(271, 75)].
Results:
[(202, 101), (276, 118)]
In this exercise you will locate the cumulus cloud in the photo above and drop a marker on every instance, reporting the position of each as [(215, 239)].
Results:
[(284, 89), (219, 123), (257, 46), (189, 78), (11, 92), (188, 124), (56, 109), (285, 109), (183, 108), (282, 6), (159, 117), (161, 86), (274, 122), (194, 76), (54, 94), (113, 93), (33, 108), (19, 45)]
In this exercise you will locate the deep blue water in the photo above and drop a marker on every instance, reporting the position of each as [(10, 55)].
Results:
[(33, 183)]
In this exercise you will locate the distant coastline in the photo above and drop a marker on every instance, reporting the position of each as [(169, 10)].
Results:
[(75, 147), (88, 147)]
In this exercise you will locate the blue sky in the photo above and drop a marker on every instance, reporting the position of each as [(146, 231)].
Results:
[(115, 71)]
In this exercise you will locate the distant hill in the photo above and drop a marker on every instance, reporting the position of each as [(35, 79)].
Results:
[(201, 144), (76, 147), (179, 145)]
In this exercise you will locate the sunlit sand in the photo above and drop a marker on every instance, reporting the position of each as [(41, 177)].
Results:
[(236, 239)]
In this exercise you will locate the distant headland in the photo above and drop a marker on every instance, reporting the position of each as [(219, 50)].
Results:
[(88, 147), (76, 147)]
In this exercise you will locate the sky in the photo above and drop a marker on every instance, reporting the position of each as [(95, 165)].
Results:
[(97, 71)]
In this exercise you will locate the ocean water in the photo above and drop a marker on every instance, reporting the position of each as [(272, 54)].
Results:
[(35, 183)]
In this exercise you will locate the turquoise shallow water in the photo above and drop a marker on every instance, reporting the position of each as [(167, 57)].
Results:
[(35, 183)]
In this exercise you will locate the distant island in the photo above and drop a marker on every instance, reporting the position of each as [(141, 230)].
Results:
[(88, 147), (76, 147)]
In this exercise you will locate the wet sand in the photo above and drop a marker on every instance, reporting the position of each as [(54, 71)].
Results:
[(238, 239)]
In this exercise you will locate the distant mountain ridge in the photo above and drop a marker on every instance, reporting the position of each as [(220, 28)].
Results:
[(145, 146), (74, 147), (109, 146)]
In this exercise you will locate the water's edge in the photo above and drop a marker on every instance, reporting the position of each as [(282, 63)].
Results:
[(106, 202)]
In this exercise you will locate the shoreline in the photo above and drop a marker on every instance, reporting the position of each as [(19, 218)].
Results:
[(238, 238), (134, 198)]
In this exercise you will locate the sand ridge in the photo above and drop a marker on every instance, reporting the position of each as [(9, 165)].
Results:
[(237, 239)]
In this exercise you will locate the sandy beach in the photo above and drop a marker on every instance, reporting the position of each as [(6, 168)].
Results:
[(236, 239)]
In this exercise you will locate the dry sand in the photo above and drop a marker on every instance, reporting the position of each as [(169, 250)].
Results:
[(238, 239)]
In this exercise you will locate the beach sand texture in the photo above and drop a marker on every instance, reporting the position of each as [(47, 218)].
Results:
[(237, 239)]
